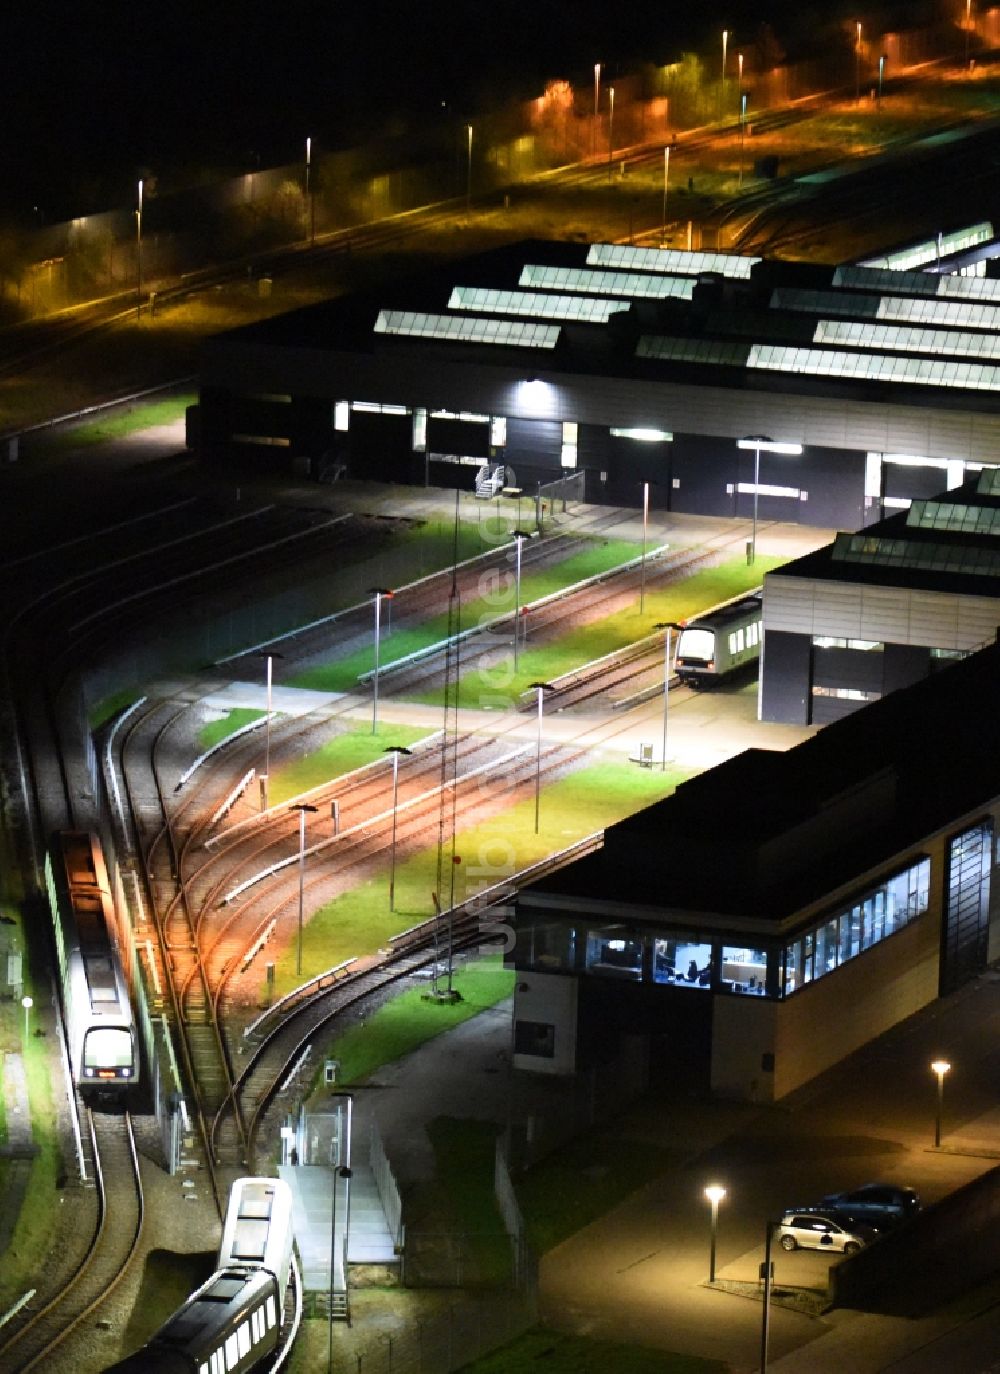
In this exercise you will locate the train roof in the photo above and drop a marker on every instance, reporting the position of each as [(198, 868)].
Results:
[(257, 1224), (726, 615), (210, 1307)]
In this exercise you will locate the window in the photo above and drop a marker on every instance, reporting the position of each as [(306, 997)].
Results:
[(679, 960), (611, 954), (232, 1351), (833, 642), (243, 1338), (537, 1038), (872, 917), (272, 1313), (744, 970)]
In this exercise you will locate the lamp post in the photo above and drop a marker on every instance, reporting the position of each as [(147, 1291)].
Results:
[(138, 253), (725, 45), (766, 1314), (642, 563), (301, 808), (266, 775), (27, 1003), (666, 179), (968, 28), (743, 125), (760, 443), (881, 73), (667, 626), (541, 688), (378, 593), (341, 1169), (857, 65), (611, 130), (597, 104), (395, 750), (468, 168), (309, 195), (519, 537), (939, 1067), (715, 1193)]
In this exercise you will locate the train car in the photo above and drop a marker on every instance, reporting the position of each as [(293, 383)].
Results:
[(257, 1232), (716, 644), (100, 1027), (234, 1319), (226, 1326)]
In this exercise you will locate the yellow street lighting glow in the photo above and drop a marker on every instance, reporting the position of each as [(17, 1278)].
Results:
[(715, 1192), (941, 1067)]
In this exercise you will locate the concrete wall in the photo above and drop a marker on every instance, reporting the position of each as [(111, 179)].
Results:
[(550, 999), (743, 1039)]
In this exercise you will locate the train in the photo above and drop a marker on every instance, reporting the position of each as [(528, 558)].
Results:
[(234, 1320), (100, 1027), (715, 645)]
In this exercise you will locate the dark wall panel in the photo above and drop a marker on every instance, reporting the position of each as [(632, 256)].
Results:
[(785, 695), (461, 437), (860, 668), (706, 475), (912, 483), (380, 447), (904, 665)]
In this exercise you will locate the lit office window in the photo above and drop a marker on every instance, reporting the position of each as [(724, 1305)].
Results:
[(744, 970), (683, 961), (614, 955)]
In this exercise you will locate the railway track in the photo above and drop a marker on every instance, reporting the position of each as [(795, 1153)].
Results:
[(109, 1252)]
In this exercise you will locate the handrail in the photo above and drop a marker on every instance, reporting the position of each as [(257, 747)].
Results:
[(303, 990)]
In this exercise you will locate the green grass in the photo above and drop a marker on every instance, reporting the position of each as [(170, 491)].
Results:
[(102, 711), (556, 1353), (217, 730), (408, 1021), (596, 556), (359, 922), (584, 1180), (581, 644), (341, 754), (464, 1163), (167, 1280), (119, 424)]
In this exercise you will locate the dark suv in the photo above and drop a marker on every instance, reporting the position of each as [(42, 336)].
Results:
[(875, 1200)]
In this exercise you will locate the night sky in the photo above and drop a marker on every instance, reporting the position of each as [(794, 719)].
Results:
[(99, 92)]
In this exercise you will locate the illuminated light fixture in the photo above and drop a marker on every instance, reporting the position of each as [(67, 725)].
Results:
[(644, 436), (769, 446)]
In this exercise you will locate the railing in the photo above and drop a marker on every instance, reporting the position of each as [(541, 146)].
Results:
[(305, 990), (385, 1182)]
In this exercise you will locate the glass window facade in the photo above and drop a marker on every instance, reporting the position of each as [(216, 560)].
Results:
[(870, 918), (682, 960)]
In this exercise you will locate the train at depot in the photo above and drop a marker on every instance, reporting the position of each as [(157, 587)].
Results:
[(233, 1321), (100, 1027), (720, 642)]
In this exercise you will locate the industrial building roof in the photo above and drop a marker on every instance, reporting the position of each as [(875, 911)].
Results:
[(769, 833)]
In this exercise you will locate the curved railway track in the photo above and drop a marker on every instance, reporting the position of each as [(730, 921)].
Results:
[(115, 1240)]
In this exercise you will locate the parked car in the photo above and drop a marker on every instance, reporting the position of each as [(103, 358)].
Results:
[(816, 1231), (883, 1200)]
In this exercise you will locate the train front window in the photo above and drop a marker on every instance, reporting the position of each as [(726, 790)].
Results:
[(109, 1048), (696, 643)]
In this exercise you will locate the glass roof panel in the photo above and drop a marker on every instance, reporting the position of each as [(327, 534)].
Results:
[(542, 304), (637, 259), (467, 329), (609, 283)]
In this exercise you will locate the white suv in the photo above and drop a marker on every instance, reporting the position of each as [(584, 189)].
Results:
[(813, 1231)]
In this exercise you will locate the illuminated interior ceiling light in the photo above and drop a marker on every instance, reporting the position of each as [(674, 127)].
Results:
[(644, 436)]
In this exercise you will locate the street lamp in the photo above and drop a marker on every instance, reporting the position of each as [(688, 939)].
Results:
[(378, 593), (743, 125), (611, 129), (725, 45), (265, 776), (666, 179), (715, 1193), (666, 625), (395, 750), (597, 104), (468, 169), (760, 443), (939, 1067), (27, 1003), (968, 28), (541, 688), (309, 195), (519, 537), (301, 808), (138, 254), (881, 72), (766, 1267), (341, 1169), (857, 66), (642, 563)]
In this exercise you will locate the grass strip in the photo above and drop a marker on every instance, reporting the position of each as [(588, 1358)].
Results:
[(102, 711), (495, 682), (342, 754), (464, 1159), (359, 922), (117, 424), (217, 730), (556, 1353), (410, 1020), (341, 674), (584, 1180)]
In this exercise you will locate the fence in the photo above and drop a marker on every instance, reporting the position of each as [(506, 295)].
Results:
[(385, 1182), (461, 1259)]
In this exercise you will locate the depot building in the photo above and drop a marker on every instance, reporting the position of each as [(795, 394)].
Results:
[(607, 366), (781, 910)]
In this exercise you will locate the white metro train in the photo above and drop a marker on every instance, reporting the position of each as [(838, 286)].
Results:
[(720, 642), (100, 1028), (233, 1321)]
